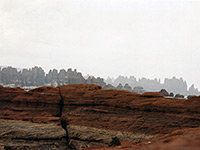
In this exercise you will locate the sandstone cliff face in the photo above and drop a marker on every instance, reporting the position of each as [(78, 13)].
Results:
[(89, 105)]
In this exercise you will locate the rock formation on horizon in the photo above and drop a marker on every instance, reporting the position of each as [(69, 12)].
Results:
[(36, 76), (173, 85)]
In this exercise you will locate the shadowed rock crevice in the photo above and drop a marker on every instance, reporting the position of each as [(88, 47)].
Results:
[(61, 103), (63, 121), (64, 124)]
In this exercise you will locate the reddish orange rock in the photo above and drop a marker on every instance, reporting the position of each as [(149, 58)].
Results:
[(90, 105)]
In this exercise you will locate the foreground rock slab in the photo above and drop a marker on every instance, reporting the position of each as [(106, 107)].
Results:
[(20, 135), (92, 107), (182, 139)]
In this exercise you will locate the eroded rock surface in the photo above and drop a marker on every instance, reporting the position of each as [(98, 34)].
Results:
[(182, 139), (90, 106), (20, 135)]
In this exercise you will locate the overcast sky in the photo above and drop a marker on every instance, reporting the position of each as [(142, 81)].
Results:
[(143, 38)]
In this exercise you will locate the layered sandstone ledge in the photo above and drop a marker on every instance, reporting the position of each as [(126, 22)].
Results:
[(90, 106)]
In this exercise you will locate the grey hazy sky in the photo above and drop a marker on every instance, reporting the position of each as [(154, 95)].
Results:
[(144, 38)]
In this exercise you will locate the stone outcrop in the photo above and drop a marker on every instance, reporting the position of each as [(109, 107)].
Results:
[(138, 89), (74, 77), (173, 84), (35, 76), (187, 139), (191, 96), (10, 75), (97, 81), (21, 135), (176, 85), (87, 105), (119, 87), (163, 92), (171, 94), (108, 86), (179, 96), (193, 91), (127, 87)]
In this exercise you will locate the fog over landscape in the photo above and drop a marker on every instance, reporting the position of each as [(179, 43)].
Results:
[(141, 38), (99, 74)]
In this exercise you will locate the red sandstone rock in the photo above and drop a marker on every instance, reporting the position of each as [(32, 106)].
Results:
[(7, 93), (89, 105), (37, 105), (183, 139), (39, 95), (151, 94)]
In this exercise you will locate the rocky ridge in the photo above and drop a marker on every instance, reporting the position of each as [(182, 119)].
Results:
[(36, 76), (87, 105)]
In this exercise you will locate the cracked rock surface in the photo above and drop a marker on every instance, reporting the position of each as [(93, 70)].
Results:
[(85, 108)]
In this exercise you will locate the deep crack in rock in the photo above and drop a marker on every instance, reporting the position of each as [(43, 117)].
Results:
[(63, 121)]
